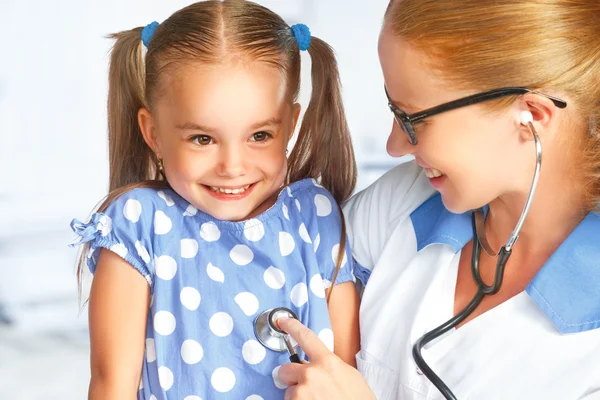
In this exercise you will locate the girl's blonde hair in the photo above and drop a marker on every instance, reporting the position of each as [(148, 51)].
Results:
[(219, 32), (551, 45)]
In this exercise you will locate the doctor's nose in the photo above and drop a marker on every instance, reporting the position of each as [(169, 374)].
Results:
[(398, 143), (232, 162)]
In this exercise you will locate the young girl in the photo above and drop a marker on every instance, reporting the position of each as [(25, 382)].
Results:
[(208, 223)]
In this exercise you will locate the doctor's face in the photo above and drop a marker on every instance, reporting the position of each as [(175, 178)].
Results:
[(465, 152)]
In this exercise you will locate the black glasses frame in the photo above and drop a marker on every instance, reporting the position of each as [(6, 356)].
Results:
[(407, 121)]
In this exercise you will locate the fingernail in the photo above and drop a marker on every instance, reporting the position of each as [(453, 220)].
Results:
[(281, 319)]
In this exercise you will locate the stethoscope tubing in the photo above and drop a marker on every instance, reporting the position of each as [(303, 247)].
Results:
[(482, 289)]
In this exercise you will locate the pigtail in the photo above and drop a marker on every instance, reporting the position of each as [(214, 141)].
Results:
[(323, 149), (130, 159), (131, 162)]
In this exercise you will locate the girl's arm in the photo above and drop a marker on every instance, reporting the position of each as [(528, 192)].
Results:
[(118, 310), (343, 312)]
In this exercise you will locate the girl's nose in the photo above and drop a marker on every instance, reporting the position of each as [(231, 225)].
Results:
[(231, 162)]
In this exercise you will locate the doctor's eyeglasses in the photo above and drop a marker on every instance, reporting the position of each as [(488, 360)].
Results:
[(406, 121)]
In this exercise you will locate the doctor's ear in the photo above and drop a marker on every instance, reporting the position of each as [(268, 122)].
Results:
[(537, 110)]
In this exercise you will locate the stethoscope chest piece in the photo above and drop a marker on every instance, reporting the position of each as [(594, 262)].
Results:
[(268, 333)]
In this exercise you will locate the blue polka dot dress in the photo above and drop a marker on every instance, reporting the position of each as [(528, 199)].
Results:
[(210, 279)]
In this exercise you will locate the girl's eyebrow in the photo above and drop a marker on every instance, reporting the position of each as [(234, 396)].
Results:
[(268, 122), (192, 126)]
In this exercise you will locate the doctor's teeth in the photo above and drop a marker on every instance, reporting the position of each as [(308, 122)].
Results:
[(433, 173)]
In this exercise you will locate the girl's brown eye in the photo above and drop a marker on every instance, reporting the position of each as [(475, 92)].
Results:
[(202, 140), (260, 136)]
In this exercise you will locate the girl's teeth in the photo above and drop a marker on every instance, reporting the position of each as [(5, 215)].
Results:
[(229, 191)]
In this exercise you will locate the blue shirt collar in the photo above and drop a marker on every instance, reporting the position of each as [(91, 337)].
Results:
[(566, 289)]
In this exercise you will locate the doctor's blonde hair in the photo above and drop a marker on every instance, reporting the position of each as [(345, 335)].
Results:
[(547, 45), (217, 33)]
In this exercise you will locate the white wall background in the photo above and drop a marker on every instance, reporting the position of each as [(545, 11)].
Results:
[(53, 152)]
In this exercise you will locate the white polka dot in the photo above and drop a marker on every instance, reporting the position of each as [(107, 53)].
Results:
[(316, 286), (323, 205), (141, 384), (286, 243), (334, 255), (166, 198), (215, 273), (193, 398), (299, 294), (276, 380), (304, 233), (285, 212), (162, 223), (253, 352), (164, 323), (247, 302), (151, 300), (152, 397), (165, 378), (191, 352), (254, 397), (223, 380), (289, 191), (317, 242), (274, 278), (189, 248), (150, 350), (190, 211), (221, 324), (142, 252), (298, 205), (190, 298), (326, 283), (254, 230), (165, 267), (210, 232), (317, 184), (241, 254), (326, 336), (104, 225), (132, 210), (119, 249)]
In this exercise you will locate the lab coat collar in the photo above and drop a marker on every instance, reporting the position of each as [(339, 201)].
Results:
[(566, 289)]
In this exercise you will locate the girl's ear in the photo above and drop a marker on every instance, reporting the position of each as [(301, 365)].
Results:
[(146, 122), (296, 110)]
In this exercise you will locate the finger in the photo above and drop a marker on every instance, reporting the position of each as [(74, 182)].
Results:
[(290, 393), (307, 340), (291, 373)]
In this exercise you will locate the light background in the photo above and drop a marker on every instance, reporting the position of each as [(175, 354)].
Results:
[(53, 158)]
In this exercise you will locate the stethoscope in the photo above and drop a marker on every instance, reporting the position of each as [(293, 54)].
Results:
[(269, 335), (483, 290)]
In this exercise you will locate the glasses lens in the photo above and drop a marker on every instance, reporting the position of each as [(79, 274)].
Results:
[(406, 128)]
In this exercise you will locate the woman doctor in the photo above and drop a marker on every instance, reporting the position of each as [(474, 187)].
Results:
[(412, 231)]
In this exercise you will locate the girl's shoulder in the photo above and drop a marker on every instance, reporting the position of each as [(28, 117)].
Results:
[(310, 199)]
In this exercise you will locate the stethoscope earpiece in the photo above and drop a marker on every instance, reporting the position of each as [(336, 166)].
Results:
[(525, 117)]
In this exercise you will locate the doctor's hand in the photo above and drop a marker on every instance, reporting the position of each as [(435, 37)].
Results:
[(326, 377)]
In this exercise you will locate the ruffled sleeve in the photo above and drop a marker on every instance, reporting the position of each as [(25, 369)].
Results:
[(125, 228)]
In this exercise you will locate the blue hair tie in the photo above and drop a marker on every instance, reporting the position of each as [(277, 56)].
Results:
[(302, 36), (148, 32)]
